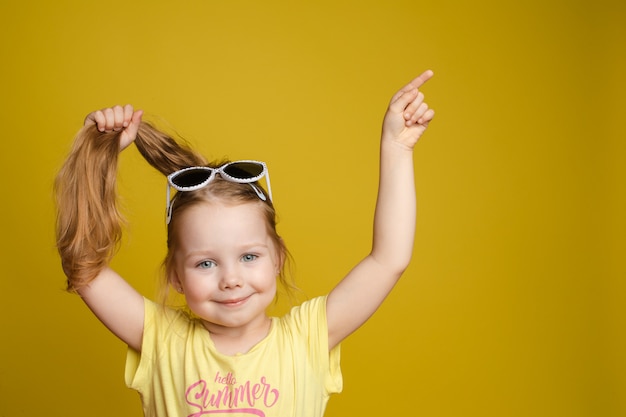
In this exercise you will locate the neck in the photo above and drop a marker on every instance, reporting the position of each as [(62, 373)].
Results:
[(233, 341)]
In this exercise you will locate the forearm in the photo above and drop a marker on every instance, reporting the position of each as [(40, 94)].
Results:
[(394, 220)]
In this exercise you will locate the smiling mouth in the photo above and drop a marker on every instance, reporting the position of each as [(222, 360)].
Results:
[(234, 302)]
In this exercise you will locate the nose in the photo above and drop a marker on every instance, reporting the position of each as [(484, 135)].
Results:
[(230, 278)]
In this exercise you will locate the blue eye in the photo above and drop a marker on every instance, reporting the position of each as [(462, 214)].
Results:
[(206, 264), (248, 257)]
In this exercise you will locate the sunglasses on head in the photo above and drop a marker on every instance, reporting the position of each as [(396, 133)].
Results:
[(194, 178)]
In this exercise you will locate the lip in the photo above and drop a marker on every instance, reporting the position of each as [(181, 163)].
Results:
[(234, 302)]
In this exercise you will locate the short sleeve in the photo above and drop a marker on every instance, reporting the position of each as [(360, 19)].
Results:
[(311, 321), (136, 371), (160, 323)]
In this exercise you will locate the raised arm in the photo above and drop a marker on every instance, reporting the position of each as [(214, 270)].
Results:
[(86, 231), (363, 290)]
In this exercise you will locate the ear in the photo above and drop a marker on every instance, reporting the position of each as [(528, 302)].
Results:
[(281, 256), (175, 282)]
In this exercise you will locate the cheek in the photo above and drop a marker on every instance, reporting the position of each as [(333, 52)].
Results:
[(196, 285), (272, 285), (266, 279)]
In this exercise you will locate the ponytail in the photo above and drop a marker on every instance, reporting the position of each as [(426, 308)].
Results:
[(89, 224)]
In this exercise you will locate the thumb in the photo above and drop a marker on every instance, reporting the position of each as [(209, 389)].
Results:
[(130, 132), (133, 127)]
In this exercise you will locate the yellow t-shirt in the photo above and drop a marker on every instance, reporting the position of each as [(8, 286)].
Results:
[(179, 373)]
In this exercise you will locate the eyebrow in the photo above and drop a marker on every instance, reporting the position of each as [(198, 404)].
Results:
[(242, 248)]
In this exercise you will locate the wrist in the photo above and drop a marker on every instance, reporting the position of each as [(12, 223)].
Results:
[(396, 145)]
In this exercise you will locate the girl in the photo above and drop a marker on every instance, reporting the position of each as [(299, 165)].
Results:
[(225, 355)]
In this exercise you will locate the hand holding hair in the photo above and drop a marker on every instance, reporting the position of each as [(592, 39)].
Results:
[(115, 119)]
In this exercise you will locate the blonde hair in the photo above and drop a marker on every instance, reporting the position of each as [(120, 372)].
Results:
[(89, 223)]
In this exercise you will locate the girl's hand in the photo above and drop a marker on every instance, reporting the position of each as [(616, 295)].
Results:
[(408, 115), (115, 119)]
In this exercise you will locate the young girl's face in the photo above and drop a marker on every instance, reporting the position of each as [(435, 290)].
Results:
[(226, 264)]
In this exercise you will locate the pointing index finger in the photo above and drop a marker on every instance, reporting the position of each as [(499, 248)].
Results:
[(420, 80), (413, 86)]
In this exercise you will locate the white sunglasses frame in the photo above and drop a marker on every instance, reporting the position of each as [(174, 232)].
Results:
[(220, 170)]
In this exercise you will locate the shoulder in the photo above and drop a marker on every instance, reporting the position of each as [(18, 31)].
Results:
[(310, 315), (158, 311), (162, 321), (310, 307)]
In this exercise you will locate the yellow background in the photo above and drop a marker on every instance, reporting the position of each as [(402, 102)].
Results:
[(515, 302)]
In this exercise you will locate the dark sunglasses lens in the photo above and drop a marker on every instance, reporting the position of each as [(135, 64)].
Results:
[(191, 177), (243, 170)]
